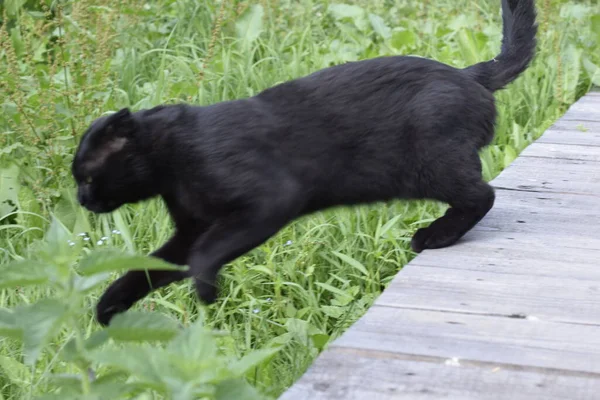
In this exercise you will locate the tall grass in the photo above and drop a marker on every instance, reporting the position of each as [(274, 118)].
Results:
[(64, 63)]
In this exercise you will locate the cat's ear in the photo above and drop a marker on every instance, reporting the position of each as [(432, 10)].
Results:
[(122, 124)]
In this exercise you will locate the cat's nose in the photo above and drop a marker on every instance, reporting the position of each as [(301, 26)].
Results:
[(82, 196)]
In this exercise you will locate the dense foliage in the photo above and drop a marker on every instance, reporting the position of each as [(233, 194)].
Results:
[(64, 63)]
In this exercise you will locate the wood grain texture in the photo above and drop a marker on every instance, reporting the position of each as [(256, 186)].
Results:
[(551, 175), (512, 311), (563, 151), (350, 374), (578, 126), (587, 109), (489, 338), (575, 137), (511, 291), (522, 255)]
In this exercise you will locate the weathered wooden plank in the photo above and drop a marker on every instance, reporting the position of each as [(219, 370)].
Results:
[(586, 109), (551, 175), (582, 126), (348, 374), (563, 151), (515, 240), (550, 201), (486, 291), (522, 255), (560, 214), (568, 166), (560, 222), (514, 341), (575, 137), (581, 116), (576, 114)]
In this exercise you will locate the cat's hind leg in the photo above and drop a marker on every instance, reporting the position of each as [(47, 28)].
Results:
[(470, 199)]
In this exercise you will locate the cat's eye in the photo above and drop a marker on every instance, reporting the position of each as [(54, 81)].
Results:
[(88, 180)]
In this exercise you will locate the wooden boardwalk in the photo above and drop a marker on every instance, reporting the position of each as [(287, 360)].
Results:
[(511, 312)]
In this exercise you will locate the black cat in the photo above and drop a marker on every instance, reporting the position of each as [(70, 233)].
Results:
[(234, 173)]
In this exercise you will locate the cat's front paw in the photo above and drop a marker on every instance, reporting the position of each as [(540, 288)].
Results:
[(419, 240), (116, 299), (434, 237), (206, 291)]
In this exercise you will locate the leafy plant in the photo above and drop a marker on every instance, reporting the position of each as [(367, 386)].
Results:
[(139, 352)]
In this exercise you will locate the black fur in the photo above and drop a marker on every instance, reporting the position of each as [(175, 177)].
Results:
[(234, 173)]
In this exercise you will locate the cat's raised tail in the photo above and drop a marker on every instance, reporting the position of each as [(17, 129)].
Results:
[(518, 46)]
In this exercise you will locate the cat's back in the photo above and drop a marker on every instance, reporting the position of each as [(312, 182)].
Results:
[(394, 76), (387, 91)]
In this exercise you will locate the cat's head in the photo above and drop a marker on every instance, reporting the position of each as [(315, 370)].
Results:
[(111, 166)]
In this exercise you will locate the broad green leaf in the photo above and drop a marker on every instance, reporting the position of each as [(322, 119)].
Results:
[(56, 249), (341, 11), (141, 361), (571, 11), (252, 360), (17, 373), (333, 311), (403, 38), (68, 383), (70, 213), (60, 396), (593, 70), (24, 273), (250, 25), (57, 233), (9, 190), (96, 339), (9, 149), (236, 389), (181, 391), (114, 386), (343, 295), (461, 21), (379, 26), (349, 12), (84, 284), (65, 209), (320, 340), (17, 41), (468, 46), (299, 329), (39, 322), (8, 324), (140, 326), (195, 342), (70, 353), (281, 340), (595, 25), (111, 260), (13, 6), (352, 262)]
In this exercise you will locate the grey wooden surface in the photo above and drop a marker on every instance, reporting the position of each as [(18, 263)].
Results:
[(510, 312)]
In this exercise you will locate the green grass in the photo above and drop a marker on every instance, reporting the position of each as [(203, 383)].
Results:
[(62, 64)]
